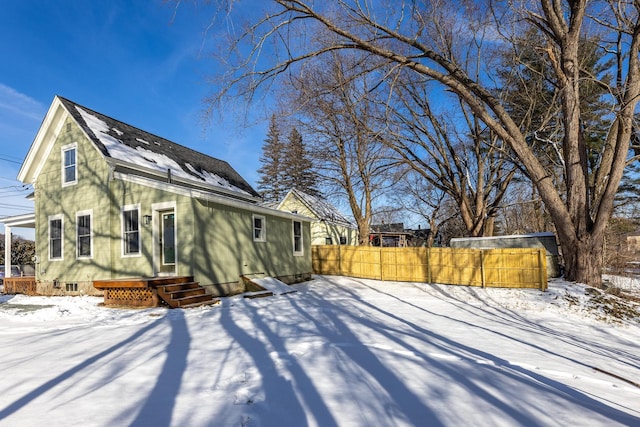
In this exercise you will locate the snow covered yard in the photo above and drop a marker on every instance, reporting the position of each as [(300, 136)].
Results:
[(339, 352)]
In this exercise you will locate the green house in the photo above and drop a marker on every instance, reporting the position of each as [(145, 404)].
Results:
[(328, 225), (115, 202)]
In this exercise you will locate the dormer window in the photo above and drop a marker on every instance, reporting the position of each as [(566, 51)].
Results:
[(69, 165)]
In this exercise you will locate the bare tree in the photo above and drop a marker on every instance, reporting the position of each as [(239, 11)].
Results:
[(461, 157), (424, 200), (350, 156), (420, 36)]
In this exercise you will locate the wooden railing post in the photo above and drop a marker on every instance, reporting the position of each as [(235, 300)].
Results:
[(482, 277), (542, 270), (381, 262), (429, 265)]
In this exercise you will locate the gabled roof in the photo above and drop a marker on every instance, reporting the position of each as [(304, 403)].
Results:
[(322, 209), (136, 149)]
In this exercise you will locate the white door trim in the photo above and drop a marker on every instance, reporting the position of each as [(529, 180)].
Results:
[(156, 210)]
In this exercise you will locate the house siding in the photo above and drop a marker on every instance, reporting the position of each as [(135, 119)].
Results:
[(52, 198), (320, 230), (224, 236), (214, 241)]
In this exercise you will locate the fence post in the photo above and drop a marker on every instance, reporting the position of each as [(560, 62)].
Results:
[(542, 257), (482, 268), (381, 263), (340, 260), (429, 264)]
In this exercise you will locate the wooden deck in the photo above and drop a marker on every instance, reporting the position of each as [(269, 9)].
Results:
[(20, 285), (175, 291)]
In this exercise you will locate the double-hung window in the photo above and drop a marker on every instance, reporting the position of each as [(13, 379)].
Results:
[(84, 238), (55, 237), (69, 165), (131, 230), (259, 232), (297, 238)]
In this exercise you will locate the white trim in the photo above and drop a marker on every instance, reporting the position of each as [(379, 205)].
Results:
[(156, 208), (162, 175), (44, 142), (7, 251), (263, 229), (199, 194), (293, 238), (63, 150), (123, 209), (24, 220), (294, 193), (89, 213), (54, 218)]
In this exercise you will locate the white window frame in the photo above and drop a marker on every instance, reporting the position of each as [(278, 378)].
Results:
[(128, 208), (88, 213), (293, 238), (55, 218), (63, 151), (263, 230)]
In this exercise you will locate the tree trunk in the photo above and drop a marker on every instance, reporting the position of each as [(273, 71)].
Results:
[(363, 231), (583, 261)]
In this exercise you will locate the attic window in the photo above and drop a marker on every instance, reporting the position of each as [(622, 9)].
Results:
[(69, 163)]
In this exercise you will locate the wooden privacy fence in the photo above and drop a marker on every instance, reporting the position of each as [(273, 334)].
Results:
[(500, 268)]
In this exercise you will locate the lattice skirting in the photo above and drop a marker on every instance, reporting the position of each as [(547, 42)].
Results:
[(20, 285), (130, 297)]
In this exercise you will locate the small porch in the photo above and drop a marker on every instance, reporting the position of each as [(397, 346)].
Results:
[(175, 291), (25, 283)]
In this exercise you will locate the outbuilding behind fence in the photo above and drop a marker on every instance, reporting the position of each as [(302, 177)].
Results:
[(546, 240), (501, 268)]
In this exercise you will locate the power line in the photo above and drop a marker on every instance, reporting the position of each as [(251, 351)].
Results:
[(2, 157), (13, 157), (8, 179), (16, 208)]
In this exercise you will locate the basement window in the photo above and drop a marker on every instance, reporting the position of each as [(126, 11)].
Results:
[(71, 287)]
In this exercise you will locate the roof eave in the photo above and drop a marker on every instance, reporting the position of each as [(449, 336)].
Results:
[(43, 142), (186, 182)]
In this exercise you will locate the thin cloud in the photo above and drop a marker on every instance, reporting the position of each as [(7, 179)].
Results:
[(20, 104)]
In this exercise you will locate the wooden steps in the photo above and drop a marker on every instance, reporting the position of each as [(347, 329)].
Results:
[(175, 291), (184, 294)]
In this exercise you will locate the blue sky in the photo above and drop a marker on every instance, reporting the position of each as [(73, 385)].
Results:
[(141, 62)]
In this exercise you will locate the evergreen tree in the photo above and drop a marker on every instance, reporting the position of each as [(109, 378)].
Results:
[(298, 168), (271, 184)]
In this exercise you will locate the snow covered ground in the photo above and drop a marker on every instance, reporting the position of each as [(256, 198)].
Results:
[(339, 352)]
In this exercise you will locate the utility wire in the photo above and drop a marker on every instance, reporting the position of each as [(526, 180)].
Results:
[(9, 160)]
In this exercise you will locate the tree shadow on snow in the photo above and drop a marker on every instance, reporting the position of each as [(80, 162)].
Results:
[(282, 405), (494, 370), (80, 369), (158, 408)]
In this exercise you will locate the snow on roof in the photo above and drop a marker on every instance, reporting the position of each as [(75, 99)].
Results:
[(141, 149), (323, 209)]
